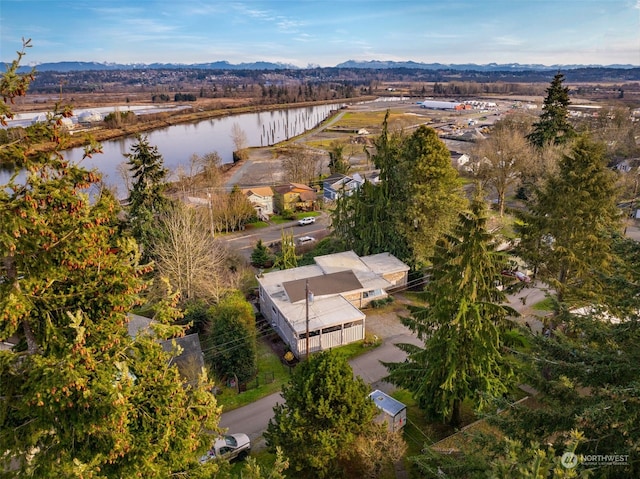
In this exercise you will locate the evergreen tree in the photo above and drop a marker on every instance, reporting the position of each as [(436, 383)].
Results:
[(460, 326), (78, 396), (260, 256), (431, 196), (231, 337), (587, 373), (567, 231), (337, 162), (417, 199), (325, 409), (146, 198), (553, 125)]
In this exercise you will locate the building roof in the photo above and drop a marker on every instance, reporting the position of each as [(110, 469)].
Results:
[(333, 178), (326, 284), (349, 261), (190, 360), (384, 263), (386, 403), (323, 312), (332, 276), (265, 191), (292, 188), (139, 324)]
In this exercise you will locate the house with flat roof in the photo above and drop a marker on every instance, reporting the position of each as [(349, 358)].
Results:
[(323, 301)]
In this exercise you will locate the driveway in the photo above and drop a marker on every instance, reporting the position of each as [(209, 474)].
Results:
[(253, 418)]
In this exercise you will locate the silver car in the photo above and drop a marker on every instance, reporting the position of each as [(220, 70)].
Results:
[(229, 447), (306, 221)]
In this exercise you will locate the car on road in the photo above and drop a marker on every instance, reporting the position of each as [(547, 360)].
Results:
[(306, 221), (229, 447), (306, 240)]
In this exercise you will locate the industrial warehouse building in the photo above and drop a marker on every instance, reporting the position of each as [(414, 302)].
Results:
[(339, 285)]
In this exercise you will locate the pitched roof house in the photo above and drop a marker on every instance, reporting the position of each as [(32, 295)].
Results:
[(338, 184), (188, 358), (338, 285), (261, 197), (294, 197)]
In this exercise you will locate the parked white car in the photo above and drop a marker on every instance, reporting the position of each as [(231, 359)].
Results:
[(306, 239), (307, 220), (229, 447)]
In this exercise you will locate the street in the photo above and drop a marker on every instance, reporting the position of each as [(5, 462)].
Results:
[(254, 418), (244, 242)]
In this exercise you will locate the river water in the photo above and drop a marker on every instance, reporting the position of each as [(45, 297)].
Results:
[(178, 143)]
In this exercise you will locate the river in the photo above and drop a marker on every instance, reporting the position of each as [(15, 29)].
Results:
[(178, 143)]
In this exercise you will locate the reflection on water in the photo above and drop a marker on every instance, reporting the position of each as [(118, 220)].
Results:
[(178, 143)]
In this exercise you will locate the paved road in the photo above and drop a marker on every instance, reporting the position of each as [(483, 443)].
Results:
[(244, 242), (253, 418)]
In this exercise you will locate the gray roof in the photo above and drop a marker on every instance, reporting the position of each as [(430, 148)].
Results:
[(138, 324), (190, 361), (333, 283), (385, 402)]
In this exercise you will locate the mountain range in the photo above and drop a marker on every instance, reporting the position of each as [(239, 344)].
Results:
[(373, 64)]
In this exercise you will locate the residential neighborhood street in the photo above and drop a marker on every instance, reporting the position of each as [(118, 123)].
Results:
[(254, 418)]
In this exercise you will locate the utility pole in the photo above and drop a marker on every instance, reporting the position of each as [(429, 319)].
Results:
[(306, 295), (211, 215)]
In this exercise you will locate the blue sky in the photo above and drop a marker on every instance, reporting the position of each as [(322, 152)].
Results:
[(323, 32)]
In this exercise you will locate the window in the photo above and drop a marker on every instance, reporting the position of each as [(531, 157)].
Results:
[(331, 329), (352, 324)]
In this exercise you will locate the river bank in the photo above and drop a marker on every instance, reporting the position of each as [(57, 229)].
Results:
[(80, 138)]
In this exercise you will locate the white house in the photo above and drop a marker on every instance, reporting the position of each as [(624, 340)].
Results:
[(338, 285), (261, 197)]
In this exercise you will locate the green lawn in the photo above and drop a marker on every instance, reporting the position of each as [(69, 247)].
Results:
[(272, 374), (546, 304)]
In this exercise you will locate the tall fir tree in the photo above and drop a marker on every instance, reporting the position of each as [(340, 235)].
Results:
[(432, 192), (79, 397), (460, 325), (553, 125), (146, 198), (325, 409), (416, 200), (567, 230)]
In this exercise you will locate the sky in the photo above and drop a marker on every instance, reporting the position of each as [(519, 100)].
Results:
[(323, 32)]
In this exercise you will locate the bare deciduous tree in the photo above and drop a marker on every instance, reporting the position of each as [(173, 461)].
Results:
[(189, 257), (501, 158), (239, 138), (378, 448), (300, 164)]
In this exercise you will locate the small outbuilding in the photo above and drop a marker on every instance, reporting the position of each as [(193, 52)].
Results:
[(392, 411)]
